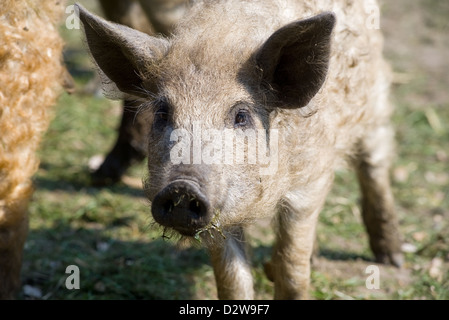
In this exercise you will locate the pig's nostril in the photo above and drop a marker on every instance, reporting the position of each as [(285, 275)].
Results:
[(195, 207), (168, 206)]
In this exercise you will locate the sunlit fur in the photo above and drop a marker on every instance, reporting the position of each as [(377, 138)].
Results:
[(30, 80)]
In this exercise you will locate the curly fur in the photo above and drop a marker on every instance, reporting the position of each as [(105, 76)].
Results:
[(31, 76)]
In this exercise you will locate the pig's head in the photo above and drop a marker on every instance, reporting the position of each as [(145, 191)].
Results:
[(202, 91)]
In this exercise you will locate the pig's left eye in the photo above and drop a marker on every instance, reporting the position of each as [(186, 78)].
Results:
[(241, 118)]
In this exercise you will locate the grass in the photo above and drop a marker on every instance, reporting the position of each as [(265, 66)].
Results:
[(107, 232)]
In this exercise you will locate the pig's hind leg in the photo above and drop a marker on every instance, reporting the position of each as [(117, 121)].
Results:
[(372, 164)]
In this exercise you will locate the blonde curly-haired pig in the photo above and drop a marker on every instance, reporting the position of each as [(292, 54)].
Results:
[(31, 79)]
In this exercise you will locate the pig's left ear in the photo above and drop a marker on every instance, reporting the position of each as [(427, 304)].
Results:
[(294, 60)]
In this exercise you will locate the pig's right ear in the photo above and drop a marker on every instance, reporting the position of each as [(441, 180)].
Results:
[(294, 60), (123, 55)]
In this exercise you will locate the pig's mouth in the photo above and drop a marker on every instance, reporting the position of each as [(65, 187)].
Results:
[(182, 206)]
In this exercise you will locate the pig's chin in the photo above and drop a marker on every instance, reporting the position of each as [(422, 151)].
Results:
[(186, 228), (183, 227), (175, 231), (186, 232)]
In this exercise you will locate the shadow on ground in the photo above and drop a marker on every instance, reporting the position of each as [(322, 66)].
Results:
[(109, 268)]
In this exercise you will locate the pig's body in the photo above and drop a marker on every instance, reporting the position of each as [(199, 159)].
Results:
[(262, 65)]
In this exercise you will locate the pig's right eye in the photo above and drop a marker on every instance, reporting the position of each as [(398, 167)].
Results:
[(161, 116)]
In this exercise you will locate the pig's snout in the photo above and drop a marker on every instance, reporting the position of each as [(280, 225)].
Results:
[(182, 206)]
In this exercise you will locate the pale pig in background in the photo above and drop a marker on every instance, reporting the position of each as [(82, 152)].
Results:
[(311, 71), (32, 77)]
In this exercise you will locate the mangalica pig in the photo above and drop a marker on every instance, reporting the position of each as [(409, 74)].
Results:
[(251, 107)]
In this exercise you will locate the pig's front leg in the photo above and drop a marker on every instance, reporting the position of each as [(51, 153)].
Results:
[(231, 267), (290, 264)]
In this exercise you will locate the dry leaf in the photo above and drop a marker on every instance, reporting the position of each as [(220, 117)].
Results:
[(419, 236), (435, 270), (408, 248)]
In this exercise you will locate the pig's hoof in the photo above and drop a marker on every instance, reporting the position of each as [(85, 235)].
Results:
[(106, 175), (268, 269), (395, 259)]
